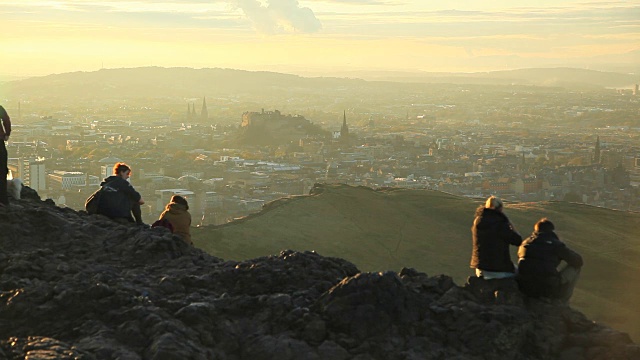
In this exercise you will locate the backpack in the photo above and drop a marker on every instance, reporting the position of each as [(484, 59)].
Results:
[(101, 199), (163, 223), (93, 202)]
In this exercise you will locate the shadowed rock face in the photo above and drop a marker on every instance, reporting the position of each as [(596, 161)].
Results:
[(80, 286)]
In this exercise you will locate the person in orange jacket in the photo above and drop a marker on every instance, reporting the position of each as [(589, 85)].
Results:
[(177, 212)]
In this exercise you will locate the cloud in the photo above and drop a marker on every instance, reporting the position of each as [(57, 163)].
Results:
[(275, 16), (280, 16), (362, 2)]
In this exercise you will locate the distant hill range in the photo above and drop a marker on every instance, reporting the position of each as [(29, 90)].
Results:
[(161, 82), (430, 231), (562, 77)]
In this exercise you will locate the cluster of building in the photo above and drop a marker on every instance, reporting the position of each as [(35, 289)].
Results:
[(441, 147)]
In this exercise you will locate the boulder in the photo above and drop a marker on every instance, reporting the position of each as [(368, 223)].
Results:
[(80, 286)]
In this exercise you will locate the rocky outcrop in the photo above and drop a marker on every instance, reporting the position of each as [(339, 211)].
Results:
[(274, 128), (79, 286)]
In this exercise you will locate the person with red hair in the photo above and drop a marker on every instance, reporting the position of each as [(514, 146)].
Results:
[(119, 198)]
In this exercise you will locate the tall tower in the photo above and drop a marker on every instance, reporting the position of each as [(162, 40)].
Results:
[(32, 172), (596, 151), (188, 111), (344, 131), (204, 114)]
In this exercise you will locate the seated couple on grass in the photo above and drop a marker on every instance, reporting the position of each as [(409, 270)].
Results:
[(539, 256)]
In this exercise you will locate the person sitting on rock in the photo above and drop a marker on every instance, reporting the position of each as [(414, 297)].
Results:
[(492, 233), (539, 257), (177, 212), (119, 198)]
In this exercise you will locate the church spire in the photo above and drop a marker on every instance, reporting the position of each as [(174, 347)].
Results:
[(204, 114), (596, 151), (344, 131)]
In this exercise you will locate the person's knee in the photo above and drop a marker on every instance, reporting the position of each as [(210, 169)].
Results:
[(569, 274)]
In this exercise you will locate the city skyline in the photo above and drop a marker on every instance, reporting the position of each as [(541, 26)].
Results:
[(45, 37)]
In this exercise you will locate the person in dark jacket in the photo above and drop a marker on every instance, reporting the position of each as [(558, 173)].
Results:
[(5, 131), (177, 212), (539, 257), (119, 199), (492, 233)]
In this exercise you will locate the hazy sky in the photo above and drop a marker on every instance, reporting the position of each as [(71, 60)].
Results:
[(41, 37)]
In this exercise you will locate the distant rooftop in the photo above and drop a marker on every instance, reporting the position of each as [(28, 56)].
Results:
[(109, 160)]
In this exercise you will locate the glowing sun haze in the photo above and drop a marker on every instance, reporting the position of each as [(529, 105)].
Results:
[(44, 37)]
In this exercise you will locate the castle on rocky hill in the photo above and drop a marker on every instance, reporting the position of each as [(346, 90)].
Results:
[(272, 127)]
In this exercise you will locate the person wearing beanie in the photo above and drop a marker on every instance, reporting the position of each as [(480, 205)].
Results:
[(492, 233)]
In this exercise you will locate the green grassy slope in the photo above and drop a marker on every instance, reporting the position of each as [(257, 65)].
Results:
[(430, 231)]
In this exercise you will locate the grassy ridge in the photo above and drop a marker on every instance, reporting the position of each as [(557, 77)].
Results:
[(430, 231)]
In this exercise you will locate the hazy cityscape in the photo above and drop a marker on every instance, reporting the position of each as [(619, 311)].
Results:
[(320, 179), (229, 155)]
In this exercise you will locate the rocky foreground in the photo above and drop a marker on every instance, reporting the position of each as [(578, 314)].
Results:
[(79, 286)]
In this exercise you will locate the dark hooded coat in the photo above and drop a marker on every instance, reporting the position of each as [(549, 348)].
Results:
[(5, 129), (539, 257), (492, 234), (117, 198)]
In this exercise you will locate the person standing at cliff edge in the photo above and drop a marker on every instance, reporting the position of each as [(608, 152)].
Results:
[(5, 131), (492, 233)]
